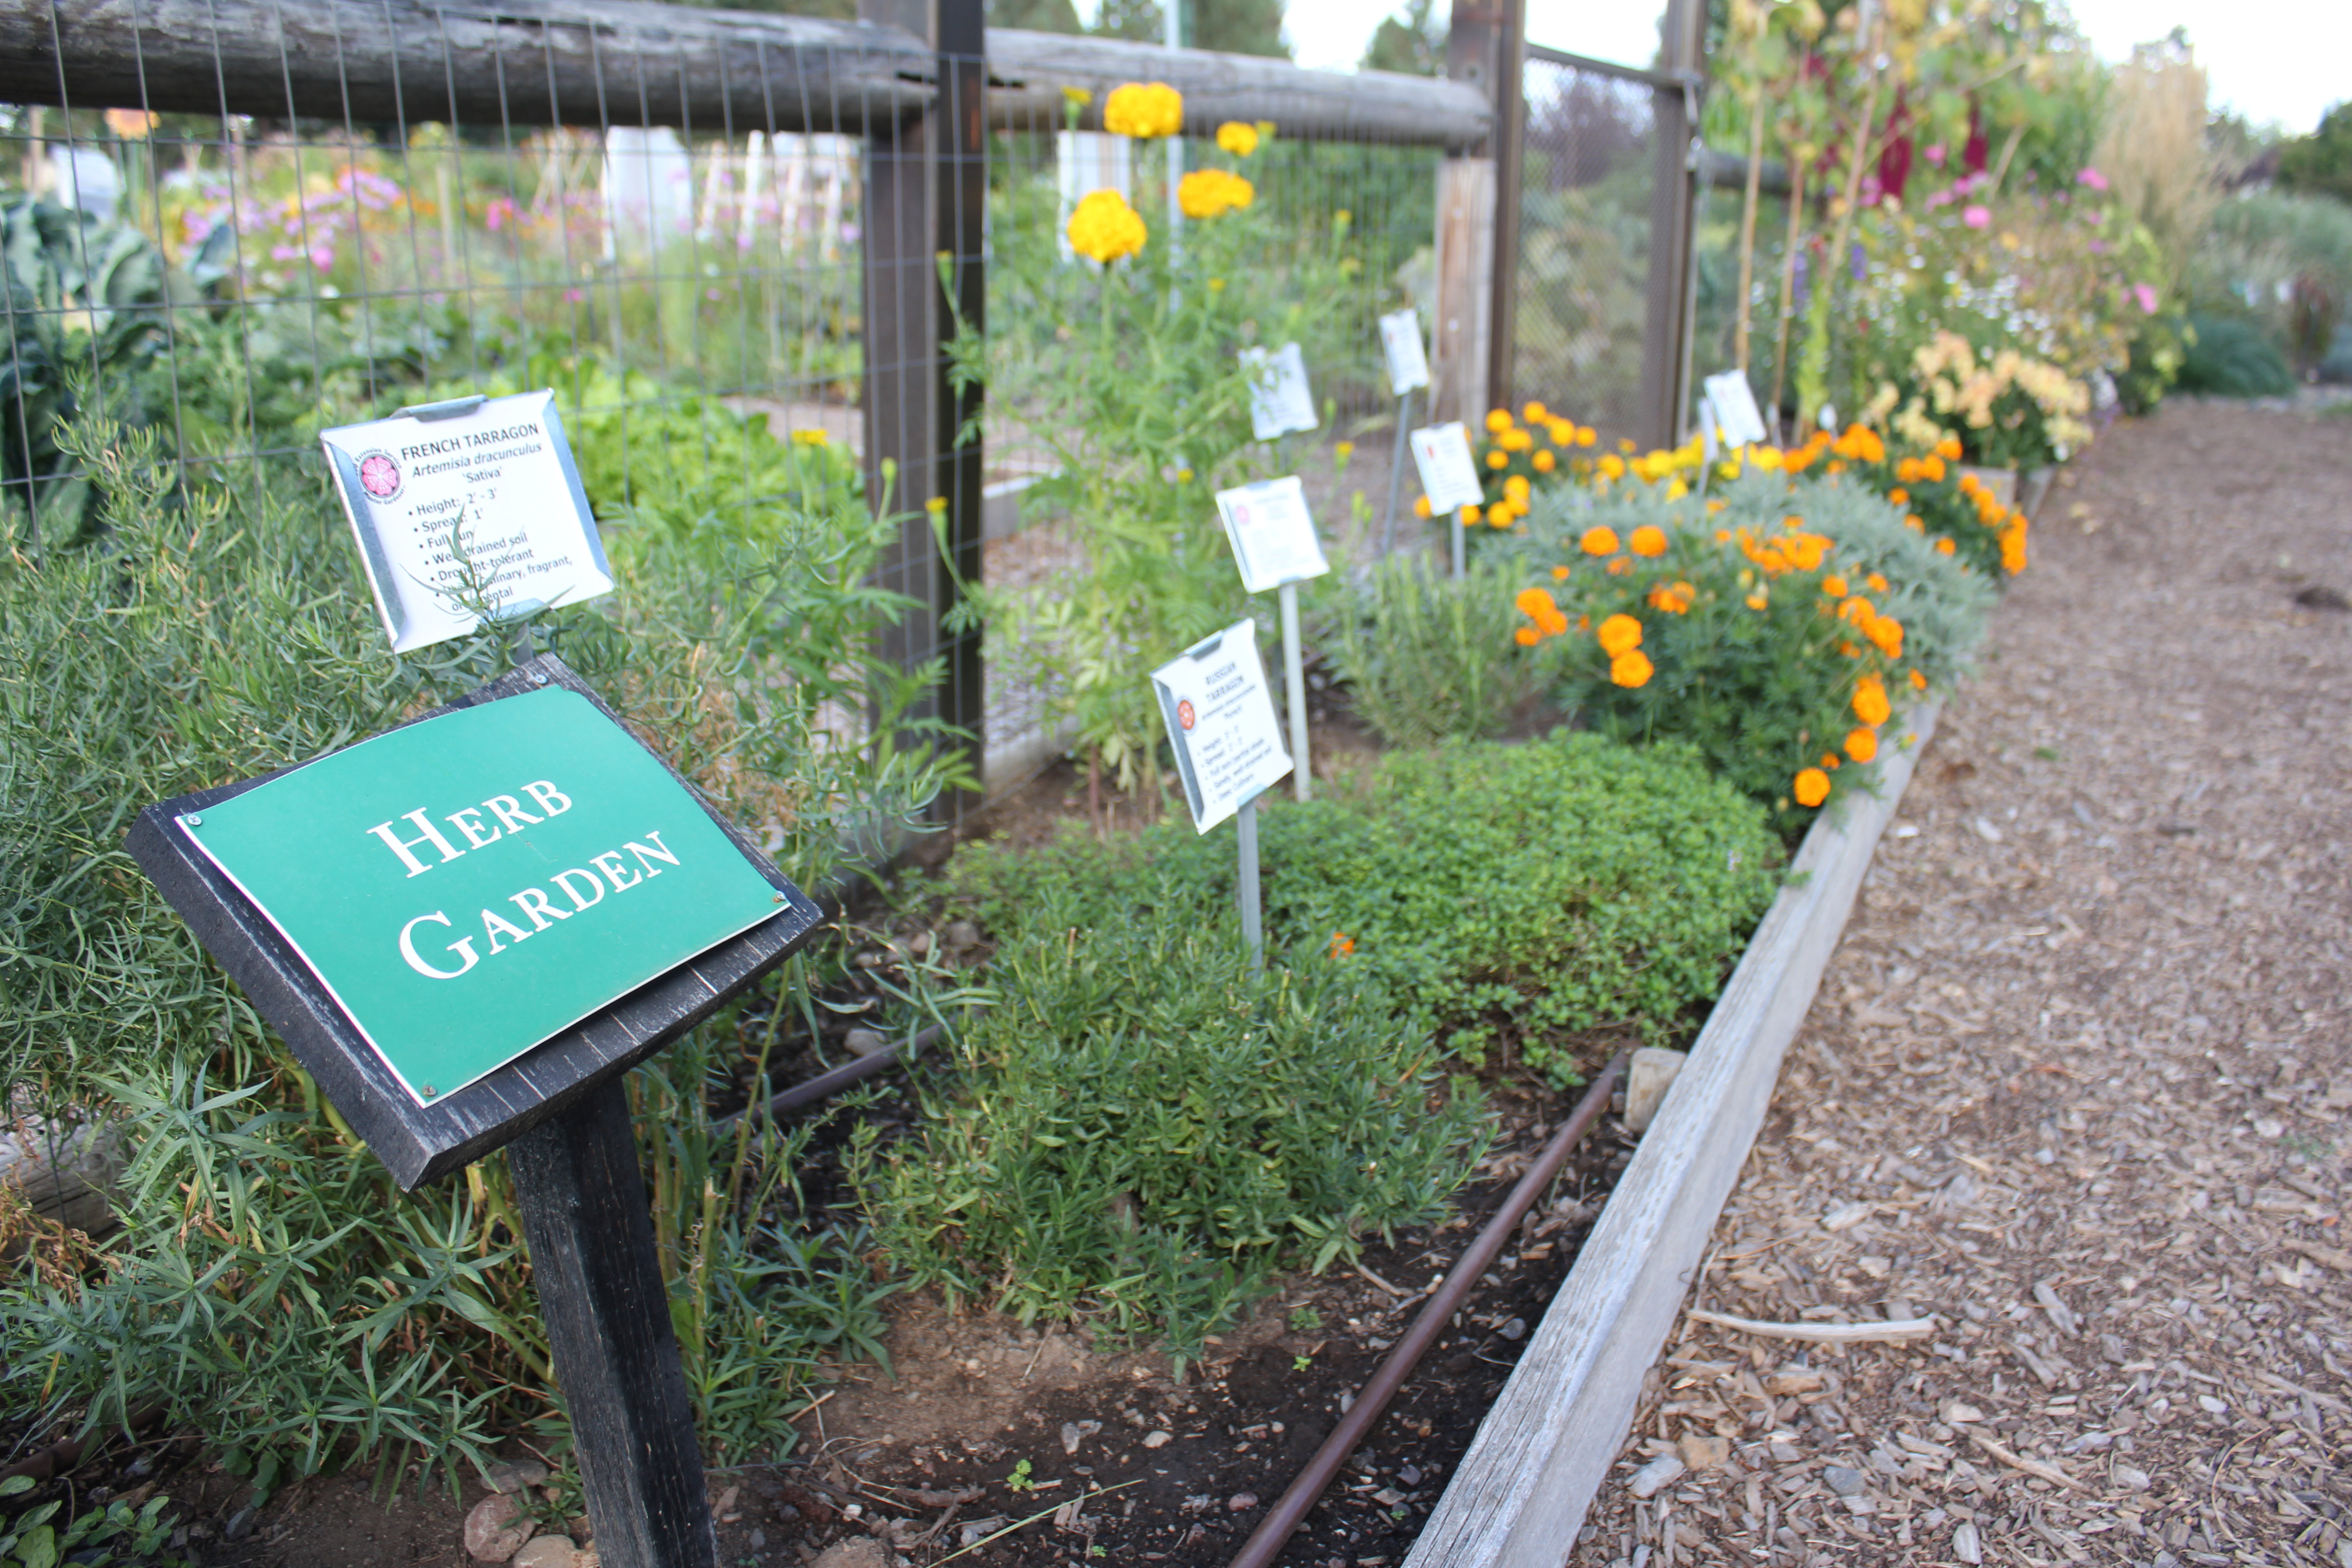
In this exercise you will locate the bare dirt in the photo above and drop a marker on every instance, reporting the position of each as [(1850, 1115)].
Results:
[(2076, 1083)]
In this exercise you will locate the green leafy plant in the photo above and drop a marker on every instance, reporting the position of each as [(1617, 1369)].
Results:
[(1556, 896), (1305, 1320), (1144, 1129), (115, 1536), (1019, 1480), (1427, 658)]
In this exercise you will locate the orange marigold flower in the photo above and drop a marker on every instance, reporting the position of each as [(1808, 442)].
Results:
[(1907, 470), (1876, 583), (1932, 468), (1612, 465), (1620, 567), (1342, 944), (1869, 704), (1598, 541), (1560, 574), (1630, 670), (1498, 420), (1649, 540), (1834, 586), (1948, 448), (1914, 524), (1662, 598), (1421, 507), (1544, 461), (1971, 484), (1516, 488), (1561, 431), (1857, 612), (1757, 601), (1499, 459), (1918, 680), (1887, 634), (1500, 515), (1528, 636), (1861, 745), (1899, 496), (1620, 634), (1829, 759), (1811, 787), (1517, 440), (1536, 603), (1945, 547)]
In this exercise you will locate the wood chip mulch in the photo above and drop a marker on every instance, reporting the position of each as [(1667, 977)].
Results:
[(2077, 1084)]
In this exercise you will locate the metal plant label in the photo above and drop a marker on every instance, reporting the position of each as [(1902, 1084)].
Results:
[(1735, 408), (1449, 475), (1220, 721), (471, 885), (1280, 399), (465, 507), (1273, 534), (1408, 360)]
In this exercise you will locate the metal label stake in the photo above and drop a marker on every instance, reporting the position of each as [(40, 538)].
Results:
[(1396, 471), (1253, 919), (1294, 676)]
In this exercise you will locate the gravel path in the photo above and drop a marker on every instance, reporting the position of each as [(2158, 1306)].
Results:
[(2077, 1084)]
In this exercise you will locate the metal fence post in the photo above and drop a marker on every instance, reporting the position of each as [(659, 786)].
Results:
[(927, 189)]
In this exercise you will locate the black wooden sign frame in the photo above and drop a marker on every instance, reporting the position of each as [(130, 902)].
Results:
[(421, 1143)]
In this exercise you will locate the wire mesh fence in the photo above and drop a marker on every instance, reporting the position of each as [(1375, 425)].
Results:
[(1586, 196)]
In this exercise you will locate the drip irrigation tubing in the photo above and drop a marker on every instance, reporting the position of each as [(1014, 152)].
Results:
[(825, 1085), (1290, 1511)]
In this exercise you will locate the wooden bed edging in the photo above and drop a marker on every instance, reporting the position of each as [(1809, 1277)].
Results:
[(1519, 1495)]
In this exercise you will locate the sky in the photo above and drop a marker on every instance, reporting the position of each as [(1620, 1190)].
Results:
[(2275, 61)]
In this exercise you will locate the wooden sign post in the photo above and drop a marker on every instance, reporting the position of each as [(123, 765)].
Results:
[(1449, 477), (1408, 371), (1273, 536), (467, 928), (1221, 723)]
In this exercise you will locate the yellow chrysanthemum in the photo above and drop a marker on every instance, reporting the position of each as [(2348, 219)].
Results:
[(1236, 138), (1144, 110), (1104, 227)]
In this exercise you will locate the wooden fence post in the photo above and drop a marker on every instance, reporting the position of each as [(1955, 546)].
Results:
[(1664, 333), (926, 197)]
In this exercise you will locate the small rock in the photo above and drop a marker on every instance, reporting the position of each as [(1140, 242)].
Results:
[(973, 1531), (1705, 1453), (1966, 1546), (1388, 1497), (1654, 1476), (2131, 1476), (1408, 1474), (495, 1529), (1076, 1432), (1157, 1439), (858, 1551), (1843, 1481), (759, 1539), (1516, 1328), (1986, 831), (546, 1552), (1651, 1074), (961, 934), (865, 1042), (2211, 1405), (514, 1474), (240, 1525), (1241, 1502)]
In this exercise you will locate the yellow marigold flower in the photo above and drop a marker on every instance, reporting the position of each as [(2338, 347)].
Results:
[(1536, 414), (1598, 541), (1648, 541), (1500, 515), (1144, 110), (1612, 465), (1811, 787), (1469, 515), (1945, 547), (1344, 450), (1212, 192), (1620, 634), (1676, 490), (1630, 670), (1078, 96), (1561, 431), (1421, 508), (935, 504), (1768, 458), (1586, 435), (1236, 138), (1497, 421), (1104, 227), (1861, 745), (1545, 462), (1833, 587), (1869, 704), (1499, 459), (1517, 440), (1516, 488)]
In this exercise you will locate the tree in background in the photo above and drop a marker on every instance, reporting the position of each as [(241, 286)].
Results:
[(1412, 42), (1231, 26), (2321, 163)]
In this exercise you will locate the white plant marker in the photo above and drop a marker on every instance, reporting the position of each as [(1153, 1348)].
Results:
[(1408, 372), (1228, 744), (1273, 541), (1449, 477)]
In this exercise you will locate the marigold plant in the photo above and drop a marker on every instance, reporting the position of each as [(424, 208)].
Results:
[(1103, 227), (1144, 110)]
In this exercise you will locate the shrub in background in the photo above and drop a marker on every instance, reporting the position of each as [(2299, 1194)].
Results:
[(1144, 1130), (1427, 658), (2231, 356), (1559, 896)]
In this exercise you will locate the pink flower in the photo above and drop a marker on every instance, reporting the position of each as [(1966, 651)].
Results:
[(498, 214), (1934, 154), (323, 257), (575, 295), (2095, 180), (1976, 217), (2146, 294)]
